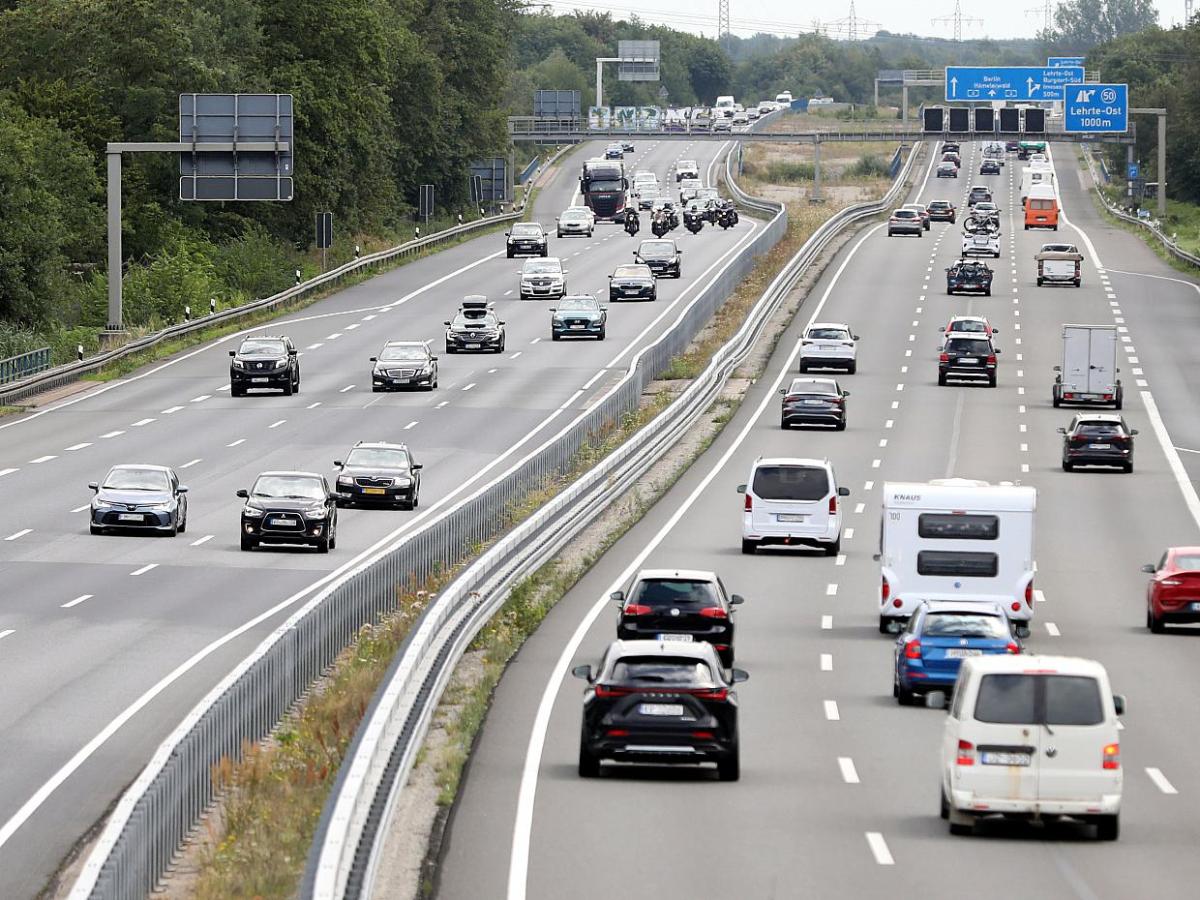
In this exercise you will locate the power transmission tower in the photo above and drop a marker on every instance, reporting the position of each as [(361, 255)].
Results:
[(1046, 11), (852, 26), (1187, 12), (956, 19), (723, 37)]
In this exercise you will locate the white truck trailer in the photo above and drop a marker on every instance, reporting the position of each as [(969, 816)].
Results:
[(1088, 374)]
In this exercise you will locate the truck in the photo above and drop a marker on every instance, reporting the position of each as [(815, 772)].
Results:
[(1088, 374), (956, 539), (1059, 264), (603, 186)]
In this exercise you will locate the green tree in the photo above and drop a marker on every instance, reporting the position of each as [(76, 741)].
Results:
[(1083, 24)]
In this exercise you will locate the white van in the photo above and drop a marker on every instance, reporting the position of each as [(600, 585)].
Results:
[(956, 539), (792, 502), (1032, 737), (724, 107), (784, 98)]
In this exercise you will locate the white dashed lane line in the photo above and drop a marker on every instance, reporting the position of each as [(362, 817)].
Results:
[(826, 623), (74, 447), (200, 399), (19, 534), (831, 711), (191, 462), (316, 346), (443, 403), (313, 405), (849, 773), (831, 590), (334, 336), (348, 387), (203, 540), (1052, 630), (879, 849), (412, 424), (140, 422), (235, 443), (80, 599), (276, 424), (42, 459), (469, 386), (1160, 781), (169, 410), (826, 662), (515, 355), (144, 569), (352, 327), (111, 434), (6, 632)]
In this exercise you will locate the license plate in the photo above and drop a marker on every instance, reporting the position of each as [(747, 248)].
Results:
[(473, 346), (687, 638), (962, 653), (661, 709), (579, 326), (287, 522), (1007, 759), (630, 290), (812, 402), (790, 517), (374, 491), (968, 361), (260, 380), (130, 517), (1101, 446)]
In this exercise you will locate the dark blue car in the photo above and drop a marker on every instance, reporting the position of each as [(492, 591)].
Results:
[(939, 636)]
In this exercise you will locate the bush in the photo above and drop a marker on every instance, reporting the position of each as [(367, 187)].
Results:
[(868, 167), (253, 266)]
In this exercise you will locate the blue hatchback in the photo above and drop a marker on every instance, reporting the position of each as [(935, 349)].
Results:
[(939, 636)]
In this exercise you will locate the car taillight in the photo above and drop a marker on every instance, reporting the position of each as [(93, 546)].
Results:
[(636, 609), (1077, 269), (1013, 647), (1016, 607), (1029, 594), (897, 603), (749, 503), (1068, 395), (716, 694), (966, 754), (617, 732), (1108, 396), (1112, 756), (838, 401), (945, 357), (912, 650), (885, 589), (602, 691), (991, 361), (1171, 581), (714, 612), (703, 735), (833, 505)]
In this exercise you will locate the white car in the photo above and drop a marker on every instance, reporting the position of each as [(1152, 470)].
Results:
[(575, 221), (741, 118), (688, 188), (641, 178), (543, 278), (828, 345), (722, 125), (792, 502), (1032, 737), (766, 106), (686, 168), (752, 113), (981, 245), (970, 325)]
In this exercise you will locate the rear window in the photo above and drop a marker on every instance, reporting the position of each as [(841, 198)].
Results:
[(791, 483), (967, 325), (950, 563), (1099, 429), (944, 527), (1020, 699), (675, 592), (1007, 700), (1041, 204), (1072, 700), (655, 670), (966, 345), (963, 624), (829, 334)]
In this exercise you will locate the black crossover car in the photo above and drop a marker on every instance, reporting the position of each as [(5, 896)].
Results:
[(967, 356), (813, 401), (659, 702), (662, 256), (1098, 439), (989, 167), (264, 362), (289, 508), (476, 327), (527, 239), (969, 276), (678, 604), (632, 282), (403, 364), (979, 194), (377, 472), (579, 315), (139, 498)]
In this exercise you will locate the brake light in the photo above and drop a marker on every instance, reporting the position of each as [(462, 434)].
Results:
[(617, 732), (1112, 756), (885, 589), (703, 735), (1068, 395), (1108, 396), (1016, 607), (714, 612), (966, 754), (603, 691), (1029, 594), (1171, 581), (912, 650), (945, 357), (991, 361), (716, 694), (1013, 647), (749, 505), (636, 609), (833, 505)]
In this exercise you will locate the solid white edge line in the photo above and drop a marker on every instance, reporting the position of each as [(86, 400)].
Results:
[(523, 823)]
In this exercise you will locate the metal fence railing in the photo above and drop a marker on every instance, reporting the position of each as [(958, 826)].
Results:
[(352, 833), (24, 364)]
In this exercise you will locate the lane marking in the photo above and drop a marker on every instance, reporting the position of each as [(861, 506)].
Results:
[(411, 424), (1160, 781), (594, 379), (7, 632), (1038, 596), (191, 462), (315, 346), (80, 509), (515, 355), (200, 399), (79, 446), (348, 387), (831, 711), (469, 386), (831, 590), (351, 327), (860, 507), (879, 849), (19, 534), (826, 662), (849, 773), (235, 443), (841, 560), (334, 336), (42, 459), (848, 534), (141, 422), (203, 540), (868, 485), (1052, 630), (1173, 461), (313, 405), (169, 410), (111, 434), (80, 599), (276, 424), (443, 403), (144, 569), (368, 318)]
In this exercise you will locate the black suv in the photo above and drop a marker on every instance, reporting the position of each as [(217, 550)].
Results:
[(528, 239), (1098, 439), (967, 356), (662, 256), (989, 167), (632, 282), (402, 364), (476, 327), (264, 362), (666, 604), (289, 508), (378, 472), (655, 702)]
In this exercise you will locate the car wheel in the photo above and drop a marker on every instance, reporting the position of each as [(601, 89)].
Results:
[(1039, 282), (554, 336), (248, 543), (323, 545), (852, 368), (1127, 468), (589, 764), (333, 536), (992, 381), (416, 500), (1108, 828), (747, 546), (784, 424), (840, 426), (945, 805), (803, 367), (729, 768), (558, 234), (449, 349), (236, 391), (883, 625), (904, 696), (941, 380), (1156, 626), (835, 548), (183, 524), (1120, 401), (296, 387), (1055, 402), (1068, 467), (601, 336), (960, 823), (510, 254), (287, 388)]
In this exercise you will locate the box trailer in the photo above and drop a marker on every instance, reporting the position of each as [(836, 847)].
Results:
[(1088, 374)]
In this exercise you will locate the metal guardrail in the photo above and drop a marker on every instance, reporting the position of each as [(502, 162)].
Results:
[(24, 364), (350, 838), (1171, 246)]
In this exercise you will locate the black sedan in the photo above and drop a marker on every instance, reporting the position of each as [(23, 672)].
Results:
[(813, 401), (289, 508), (967, 356), (662, 256), (1098, 439), (476, 327), (579, 315), (659, 702), (632, 282), (989, 167), (404, 364), (139, 498), (264, 362), (378, 473), (678, 604)]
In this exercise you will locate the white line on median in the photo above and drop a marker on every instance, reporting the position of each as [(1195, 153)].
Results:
[(19, 534), (191, 462)]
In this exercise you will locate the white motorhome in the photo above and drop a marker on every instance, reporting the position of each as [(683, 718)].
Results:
[(956, 539), (1088, 374), (1035, 175), (784, 98)]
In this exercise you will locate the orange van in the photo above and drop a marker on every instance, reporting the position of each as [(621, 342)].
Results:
[(1041, 208)]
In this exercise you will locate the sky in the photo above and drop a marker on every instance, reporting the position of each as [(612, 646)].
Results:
[(980, 18)]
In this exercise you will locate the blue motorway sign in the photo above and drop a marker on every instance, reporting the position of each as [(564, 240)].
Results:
[(1013, 83), (1132, 171), (1056, 62), (1096, 108)]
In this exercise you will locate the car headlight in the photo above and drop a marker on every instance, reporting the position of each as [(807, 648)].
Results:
[(103, 504), (345, 480), (403, 481), (317, 512), (281, 363), (238, 364), (166, 504), (252, 511)]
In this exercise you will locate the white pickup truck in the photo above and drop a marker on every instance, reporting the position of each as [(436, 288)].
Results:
[(1059, 264)]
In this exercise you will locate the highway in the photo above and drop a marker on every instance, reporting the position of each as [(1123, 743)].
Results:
[(838, 789), (106, 642)]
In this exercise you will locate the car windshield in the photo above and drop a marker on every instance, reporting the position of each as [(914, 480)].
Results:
[(813, 386), (605, 184), (791, 483), (572, 214), (120, 479), (631, 272), (262, 348), (1058, 248), (674, 592), (387, 354), (905, 214), (378, 458), (968, 345), (1099, 429), (542, 267), (660, 670), (829, 334), (526, 231), (475, 317), (972, 325), (1025, 699), (587, 303), (962, 624), (289, 487), (656, 249)]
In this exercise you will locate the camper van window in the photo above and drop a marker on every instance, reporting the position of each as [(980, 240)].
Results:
[(1073, 700), (1006, 700), (958, 528), (942, 562), (790, 483)]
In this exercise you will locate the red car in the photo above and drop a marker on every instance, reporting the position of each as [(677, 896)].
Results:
[(1173, 594)]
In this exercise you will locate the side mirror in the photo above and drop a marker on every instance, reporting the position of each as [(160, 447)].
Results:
[(181, 489), (737, 676), (783, 391), (604, 309), (244, 494), (1149, 569), (95, 486), (995, 331), (997, 351), (374, 359), (507, 233), (293, 352), (1058, 368), (741, 489), (233, 353), (445, 323), (1061, 430), (876, 556), (433, 359), (501, 321), (610, 278), (1133, 431), (617, 596), (737, 599), (416, 467), (843, 492), (338, 463), (1119, 704), (845, 393), (554, 309), (584, 672), (855, 337), (935, 700)]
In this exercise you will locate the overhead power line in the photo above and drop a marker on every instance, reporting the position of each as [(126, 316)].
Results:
[(956, 19)]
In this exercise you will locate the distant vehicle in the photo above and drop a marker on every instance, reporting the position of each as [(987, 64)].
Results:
[(1098, 439), (1059, 264), (986, 209), (264, 362), (476, 327), (578, 315), (989, 167), (905, 221), (139, 498), (688, 188), (967, 357), (1036, 175), (678, 605), (969, 276), (543, 278), (784, 98), (969, 325), (627, 146), (662, 256), (741, 118), (647, 194), (376, 472), (660, 702), (765, 107), (575, 221), (941, 211), (632, 282), (947, 169), (722, 125), (920, 210), (643, 179), (981, 243), (526, 239), (978, 194), (752, 113), (402, 364), (289, 508), (956, 540), (813, 401), (1012, 146), (686, 168), (1041, 208), (951, 147), (828, 345), (603, 186), (1172, 592), (614, 151), (953, 157), (792, 502), (1025, 149), (724, 107)]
